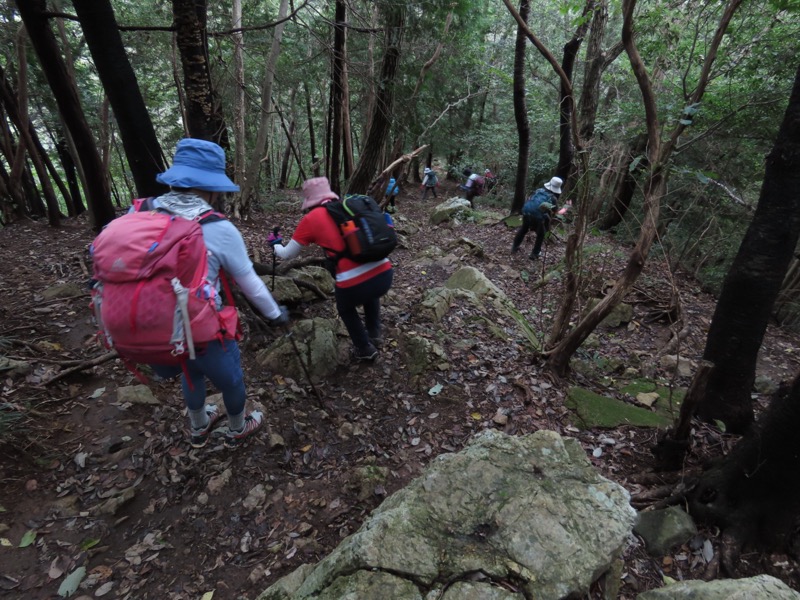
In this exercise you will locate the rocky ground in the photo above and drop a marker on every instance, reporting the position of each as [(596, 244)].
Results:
[(107, 483)]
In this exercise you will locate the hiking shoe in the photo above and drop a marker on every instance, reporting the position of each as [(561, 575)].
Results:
[(376, 338), (252, 423), (534, 257), (368, 354), (199, 437)]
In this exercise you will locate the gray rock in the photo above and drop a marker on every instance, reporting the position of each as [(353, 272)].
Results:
[(137, 394), (765, 385), (470, 278), (317, 342), (529, 509), (449, 209), (64, 290), (752, 588), (10, 366), (421, 354), (661, 530), (684, 366), (467, 590)]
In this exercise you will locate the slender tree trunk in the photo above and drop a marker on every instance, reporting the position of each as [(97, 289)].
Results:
[(239, 136), (315, 161), (142, 149), (596, 63), (249, 189), (13, 190), (754, 280), (203, 111), (66, 95), (384, 102), (287, 153), (348, 158), (624, 184), (566, 149), (659, 155), (70, 62), (70, 174), (521, 113), (337, 94)]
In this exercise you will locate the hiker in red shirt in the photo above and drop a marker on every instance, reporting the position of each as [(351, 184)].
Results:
[(357, 284)]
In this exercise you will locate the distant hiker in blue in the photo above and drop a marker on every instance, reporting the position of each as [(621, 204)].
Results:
[(536, 215), (391, 192), (429, 183)]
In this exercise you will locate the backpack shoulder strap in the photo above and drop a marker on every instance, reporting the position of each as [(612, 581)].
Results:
[(211, 216), (143, 204)]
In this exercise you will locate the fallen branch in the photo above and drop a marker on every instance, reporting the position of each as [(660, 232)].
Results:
[(381, 181), (83, 366)]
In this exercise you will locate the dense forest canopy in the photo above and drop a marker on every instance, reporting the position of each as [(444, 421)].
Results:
[(452, 90)]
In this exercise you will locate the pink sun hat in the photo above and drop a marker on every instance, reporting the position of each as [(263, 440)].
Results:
[(316, 191)]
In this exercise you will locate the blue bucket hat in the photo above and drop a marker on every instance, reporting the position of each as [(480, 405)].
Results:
[(198, 164)]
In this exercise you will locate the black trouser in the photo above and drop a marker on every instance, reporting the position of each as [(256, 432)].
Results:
[(539, 225), (429, 188)]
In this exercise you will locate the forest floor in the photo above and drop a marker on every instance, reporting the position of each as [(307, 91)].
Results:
[(87, 480)]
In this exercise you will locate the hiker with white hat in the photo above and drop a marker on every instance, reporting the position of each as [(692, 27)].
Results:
[(429, 183), (536, 215)]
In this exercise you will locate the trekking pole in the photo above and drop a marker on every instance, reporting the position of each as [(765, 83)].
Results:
[(273, 239), (290, 335)]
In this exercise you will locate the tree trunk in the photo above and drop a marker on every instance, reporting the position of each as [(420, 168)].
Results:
[(66, 95), (754, 280), (566, 149), (659, 155), (239, 111), (204, 117), (315, 161), (348, 156), (596, 63), (14, 201), (70, 174), (624, 184), (753, 495), (521, 113), (142, 149), (337, 95), (242, 206), (384, 101)]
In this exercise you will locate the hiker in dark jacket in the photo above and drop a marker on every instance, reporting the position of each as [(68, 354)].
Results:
[(536, 215)]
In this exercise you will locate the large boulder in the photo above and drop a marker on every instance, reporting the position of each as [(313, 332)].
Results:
[(528, 511)]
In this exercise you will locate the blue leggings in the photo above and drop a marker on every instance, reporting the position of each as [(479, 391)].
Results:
[(221, 363)]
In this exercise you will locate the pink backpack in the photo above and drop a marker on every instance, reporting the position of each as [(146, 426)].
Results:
[(152, 299)]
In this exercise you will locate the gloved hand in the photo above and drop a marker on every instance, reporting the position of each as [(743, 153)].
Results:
[(282, 319), (274, 237)]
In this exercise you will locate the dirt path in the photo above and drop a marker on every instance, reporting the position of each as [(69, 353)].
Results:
[(90, 481)]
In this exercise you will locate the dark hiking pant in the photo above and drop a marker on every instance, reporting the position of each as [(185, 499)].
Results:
[(537, 224)]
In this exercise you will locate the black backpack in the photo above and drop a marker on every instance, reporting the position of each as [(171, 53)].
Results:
[(368, 232)]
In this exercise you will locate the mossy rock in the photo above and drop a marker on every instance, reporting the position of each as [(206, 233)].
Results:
[(662, 406), (513, 221), (594, 410)]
